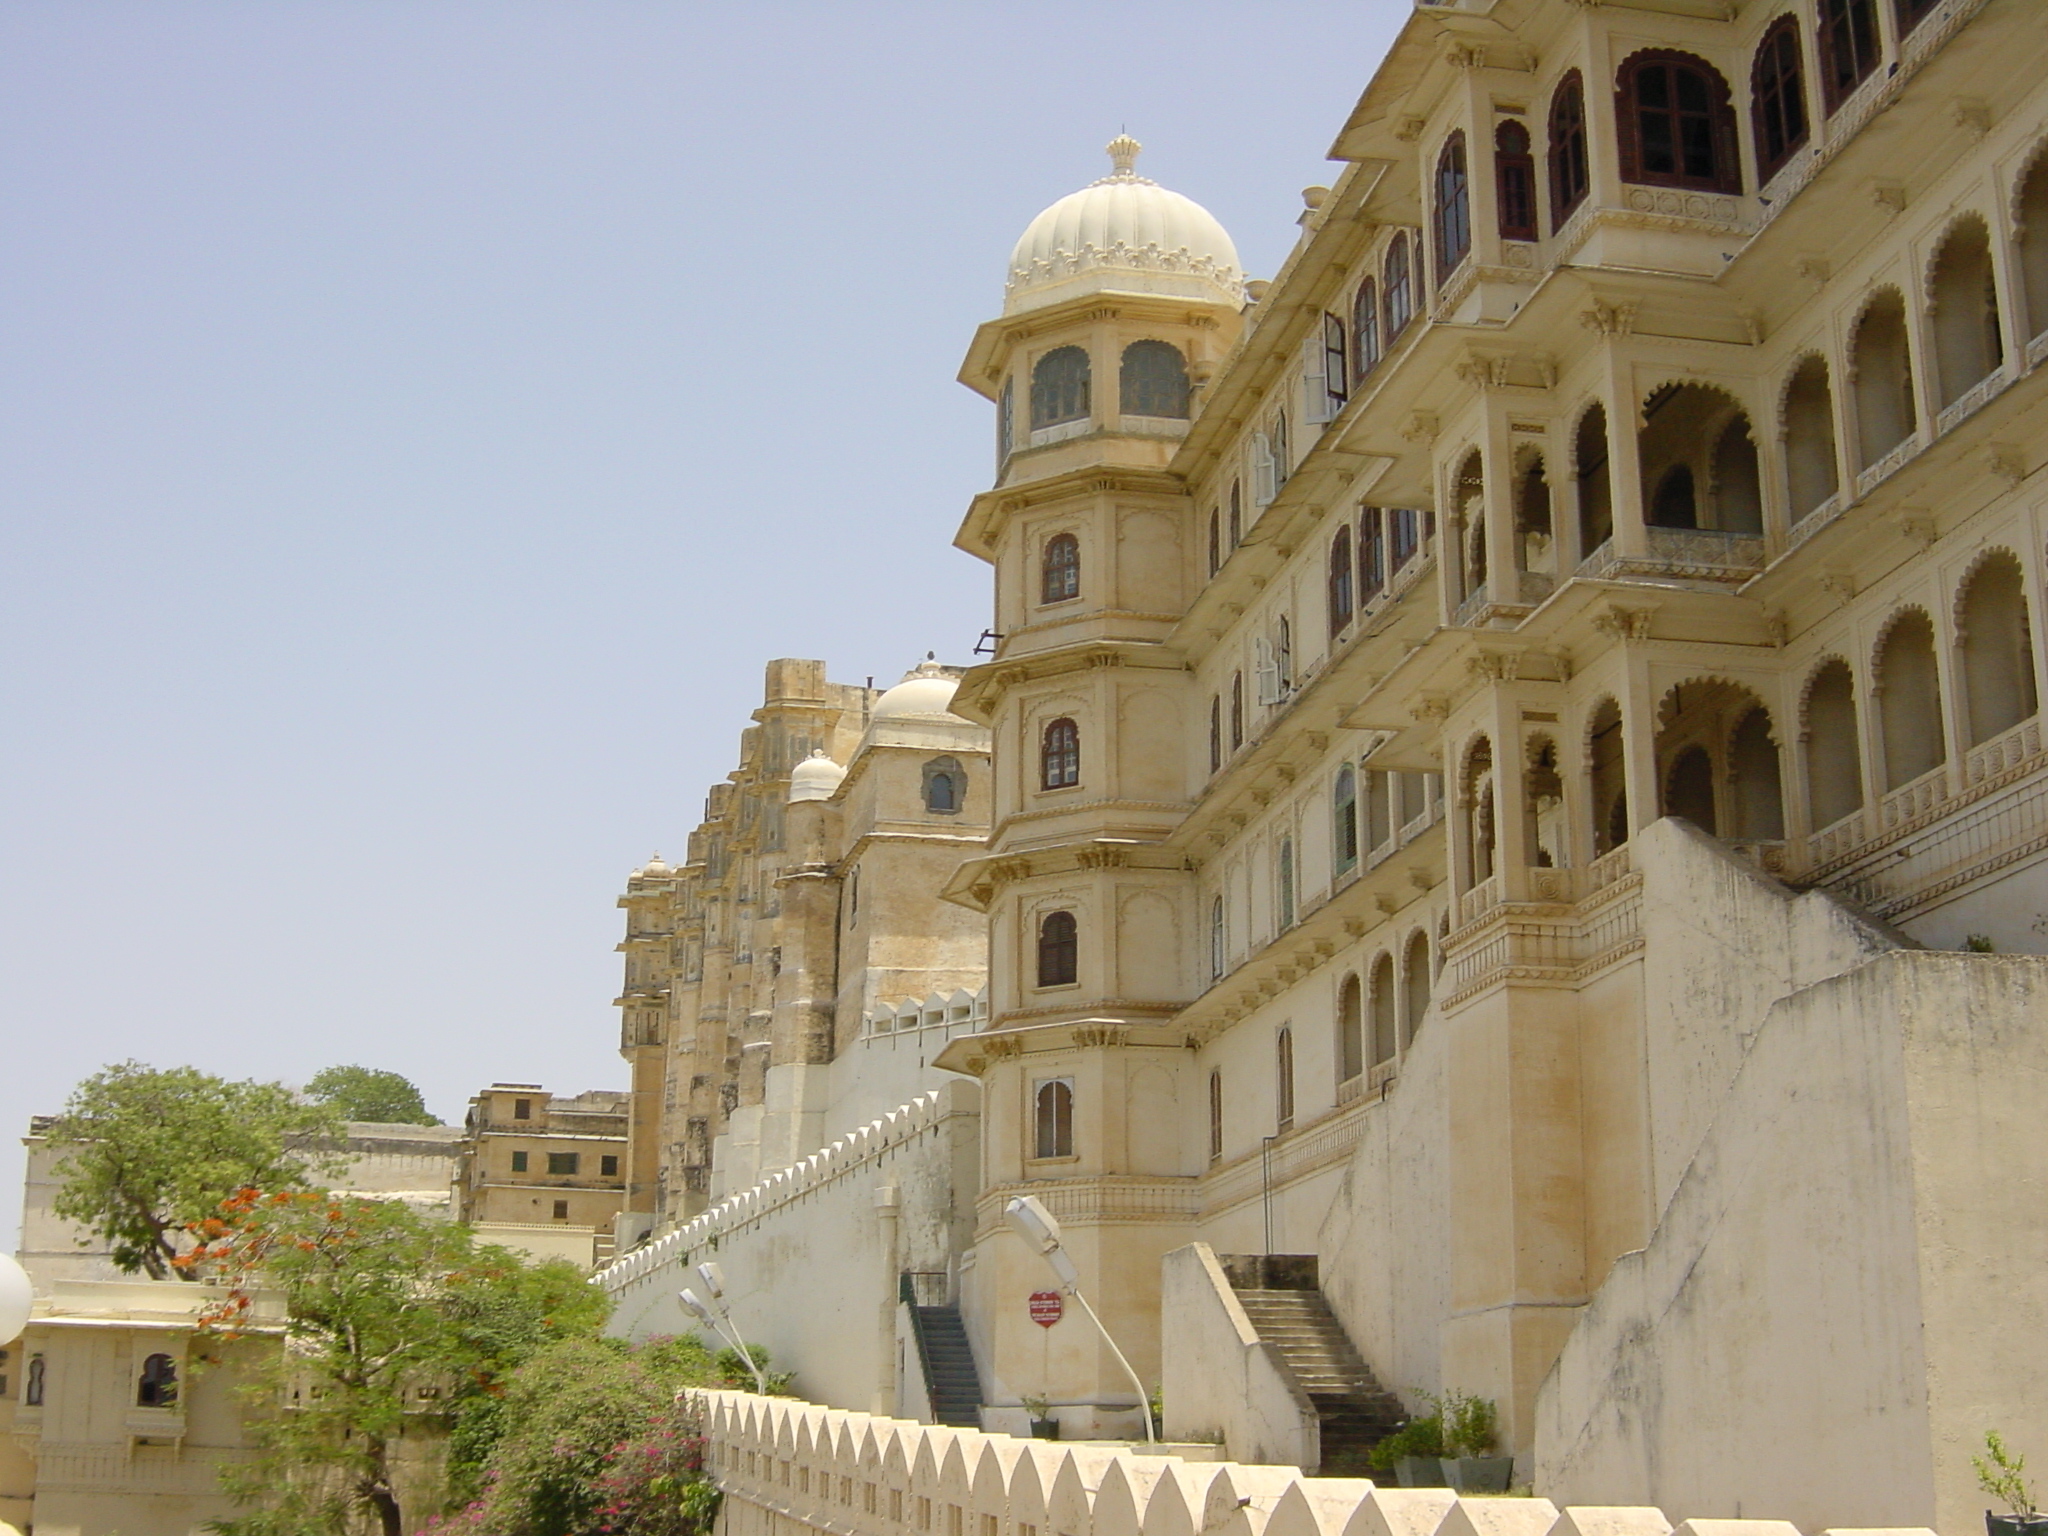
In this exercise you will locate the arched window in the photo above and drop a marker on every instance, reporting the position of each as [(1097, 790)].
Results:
[(1283, 653), (1675, 505), (1379, 819), (1054, 1116), (1343, 601), (1215, 1116), (1283, 1078), (1344, 819), (1535, 541), (1153, 381), (1676, 123), (1059, 756), (945, 785), (1997, 647), (32, 1388), (1400, 286), (1284, 876), (2033, 239), (1480, 822), (1849, 47), (1738, 479), (1385, 1041), (1908, 690), (1059, 388), (1350, 1030), (1215, 731), (1059, 950), (1570, 175), (1810, 473), (1689, 790), (1777, 97), (1415, 979), (1834, 760), (157, 1387), (1365, 326), (1963, 300), (1215, 540), (1404, 535), (1236, 710), (1372, 553), (1756, 799), (1219, 940), (1596, 497), (1006, 421), (1059, 574), (1881, 366), (1514, 181), (1608, 778), (1453, 208), (1236, 529)]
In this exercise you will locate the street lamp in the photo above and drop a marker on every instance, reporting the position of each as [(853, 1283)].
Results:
[(720, 1321), (17, 1296), (1035, 1224)]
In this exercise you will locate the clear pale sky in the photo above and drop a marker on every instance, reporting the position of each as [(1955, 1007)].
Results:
[(423, 420)]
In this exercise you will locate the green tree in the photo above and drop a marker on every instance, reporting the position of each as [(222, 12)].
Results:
[(361, 1093), (380, 1302), (149, 1151)]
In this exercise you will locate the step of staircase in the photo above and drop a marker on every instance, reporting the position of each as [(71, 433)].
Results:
[(1353, 1409)]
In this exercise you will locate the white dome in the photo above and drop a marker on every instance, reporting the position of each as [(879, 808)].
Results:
[(817, 777), (926, 691), (1124, 232)]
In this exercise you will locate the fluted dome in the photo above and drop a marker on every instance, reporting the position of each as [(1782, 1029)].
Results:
[(817, 777), (926, 691), (1127, 233), (654, 866)]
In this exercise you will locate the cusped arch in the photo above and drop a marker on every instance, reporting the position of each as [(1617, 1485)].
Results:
[(2016, 199), (1881, 293), (1970, 221), (1788, 381), (1904, 613)]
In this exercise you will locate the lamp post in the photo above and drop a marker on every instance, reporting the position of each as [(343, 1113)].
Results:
[(1035, 1224), (720, 1322), (17, 1296)]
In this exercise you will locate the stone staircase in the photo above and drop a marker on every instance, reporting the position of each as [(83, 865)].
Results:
[(1287, 1309), (950, 1379)]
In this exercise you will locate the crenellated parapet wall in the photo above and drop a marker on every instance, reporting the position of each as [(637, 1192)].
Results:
[(788, 1466)]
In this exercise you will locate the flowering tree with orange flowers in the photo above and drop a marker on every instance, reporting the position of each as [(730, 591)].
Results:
[(393, 1320)]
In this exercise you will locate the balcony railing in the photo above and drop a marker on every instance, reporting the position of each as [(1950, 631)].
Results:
[(2007, 750)]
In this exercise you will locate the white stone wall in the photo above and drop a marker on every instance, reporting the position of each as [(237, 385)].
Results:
[(811, 1261), (790, 1466), (1834, 1307)]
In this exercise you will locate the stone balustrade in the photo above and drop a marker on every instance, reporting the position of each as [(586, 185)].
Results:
[(788, 1467)]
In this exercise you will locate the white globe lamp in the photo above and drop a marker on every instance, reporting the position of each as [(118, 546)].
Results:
[(16, 1297)]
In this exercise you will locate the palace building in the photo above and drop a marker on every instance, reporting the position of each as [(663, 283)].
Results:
[(1516, 807)]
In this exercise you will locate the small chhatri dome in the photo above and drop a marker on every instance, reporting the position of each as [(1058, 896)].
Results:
[(653, 866), (817, 777), (1123, 232), (926, 690)]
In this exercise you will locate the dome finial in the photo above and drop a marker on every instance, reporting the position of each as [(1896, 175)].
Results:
[(1123, 154)]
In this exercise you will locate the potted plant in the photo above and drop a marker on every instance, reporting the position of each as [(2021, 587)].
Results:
[(1043, 1425), (1999, 1473), (1471, 1435), (1413, 1453)]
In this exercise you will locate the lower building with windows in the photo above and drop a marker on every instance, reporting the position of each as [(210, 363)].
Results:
[(543, 1173), (1517, 796)]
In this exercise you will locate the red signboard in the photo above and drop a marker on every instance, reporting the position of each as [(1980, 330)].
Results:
[(1047, 1308)]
